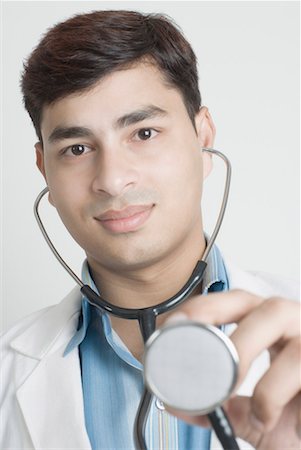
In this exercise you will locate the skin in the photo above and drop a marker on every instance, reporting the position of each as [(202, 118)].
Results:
[(137, 268)]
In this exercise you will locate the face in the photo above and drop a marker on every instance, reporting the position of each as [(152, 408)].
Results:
[(124, 168)]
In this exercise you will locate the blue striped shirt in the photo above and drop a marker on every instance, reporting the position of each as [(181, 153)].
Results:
[(113, 383)]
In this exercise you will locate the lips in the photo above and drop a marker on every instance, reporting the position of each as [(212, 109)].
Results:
[(125, 220)]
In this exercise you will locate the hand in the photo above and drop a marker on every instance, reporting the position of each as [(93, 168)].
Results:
[(271, 418)]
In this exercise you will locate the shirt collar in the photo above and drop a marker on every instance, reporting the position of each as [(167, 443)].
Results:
[(85, 315), (215, 279)]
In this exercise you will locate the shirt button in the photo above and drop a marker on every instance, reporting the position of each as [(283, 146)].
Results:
[(159, 405)]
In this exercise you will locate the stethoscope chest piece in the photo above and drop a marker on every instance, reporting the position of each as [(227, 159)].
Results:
[(191, 367)]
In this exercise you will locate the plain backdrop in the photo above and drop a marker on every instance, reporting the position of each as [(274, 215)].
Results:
[(248, 55)]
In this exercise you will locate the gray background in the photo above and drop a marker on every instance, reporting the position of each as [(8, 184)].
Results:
[(248, 56)]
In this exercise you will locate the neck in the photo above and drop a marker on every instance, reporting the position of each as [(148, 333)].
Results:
[(147, 287), (151, 285)]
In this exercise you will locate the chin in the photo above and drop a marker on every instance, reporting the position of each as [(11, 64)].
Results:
[(128, 258)]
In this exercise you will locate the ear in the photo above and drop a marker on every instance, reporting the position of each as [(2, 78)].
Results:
[(40, 158), (205, 129), (41, 165)]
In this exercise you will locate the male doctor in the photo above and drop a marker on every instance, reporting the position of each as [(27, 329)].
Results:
[(114, 99)]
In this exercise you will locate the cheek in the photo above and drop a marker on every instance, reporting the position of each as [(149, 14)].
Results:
[(67, 184), (67, 196), (182, 177)]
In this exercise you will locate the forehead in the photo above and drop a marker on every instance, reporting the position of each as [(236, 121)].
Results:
[(113, 96)]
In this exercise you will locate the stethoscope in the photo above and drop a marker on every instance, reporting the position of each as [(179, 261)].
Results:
[(189, 366)]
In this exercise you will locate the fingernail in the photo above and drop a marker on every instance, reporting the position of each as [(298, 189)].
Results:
[(256, 423), (177, 317)]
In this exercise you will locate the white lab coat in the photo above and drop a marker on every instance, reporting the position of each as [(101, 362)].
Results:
[(41, 392)]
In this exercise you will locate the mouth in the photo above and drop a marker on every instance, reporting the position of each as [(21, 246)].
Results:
[(128, 219)]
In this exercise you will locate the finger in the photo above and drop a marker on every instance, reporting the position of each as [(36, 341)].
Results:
[(280, 384), (298, 426), (272, 321), (239, 410), (218, 308)]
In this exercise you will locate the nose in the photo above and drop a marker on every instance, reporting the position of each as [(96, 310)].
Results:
[(115, 172)]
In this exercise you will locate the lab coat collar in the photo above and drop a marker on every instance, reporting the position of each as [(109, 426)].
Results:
[(51, 325)]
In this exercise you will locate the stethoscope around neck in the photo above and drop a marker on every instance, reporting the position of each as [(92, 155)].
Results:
[(191, 338)]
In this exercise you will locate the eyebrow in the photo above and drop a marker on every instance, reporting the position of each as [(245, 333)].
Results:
[(148, 112), (60, 133)]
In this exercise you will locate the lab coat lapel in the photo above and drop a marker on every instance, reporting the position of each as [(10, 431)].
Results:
[(52, 404), (51, 398)]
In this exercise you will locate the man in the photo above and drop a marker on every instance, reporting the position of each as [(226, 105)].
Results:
[(114, 99)]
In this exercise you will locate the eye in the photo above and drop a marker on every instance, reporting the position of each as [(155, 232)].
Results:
[(145, 133), (77, 150)]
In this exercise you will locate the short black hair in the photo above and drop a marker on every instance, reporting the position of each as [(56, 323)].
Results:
[(75, 54)]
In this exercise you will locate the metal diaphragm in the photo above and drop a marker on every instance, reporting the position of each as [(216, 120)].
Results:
[(190, 366)]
